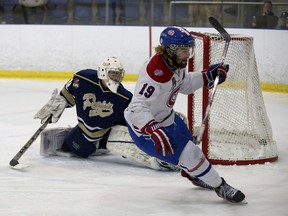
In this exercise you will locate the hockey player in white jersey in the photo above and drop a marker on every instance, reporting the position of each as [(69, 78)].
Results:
[(152, 122)]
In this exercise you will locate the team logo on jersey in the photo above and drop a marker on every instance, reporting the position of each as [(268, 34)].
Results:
[(98, 108), (76, 83), (172, 98), (158, 72)]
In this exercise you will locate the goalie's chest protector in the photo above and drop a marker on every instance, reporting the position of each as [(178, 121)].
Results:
[(98, 107)]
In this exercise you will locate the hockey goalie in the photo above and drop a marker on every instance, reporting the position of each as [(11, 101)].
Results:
[(100, 100)]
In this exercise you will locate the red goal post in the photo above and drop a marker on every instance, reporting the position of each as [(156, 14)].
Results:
[(238, 130)]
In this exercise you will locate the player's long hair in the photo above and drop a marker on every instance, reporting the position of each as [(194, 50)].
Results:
[(163, 52), (159, 50)]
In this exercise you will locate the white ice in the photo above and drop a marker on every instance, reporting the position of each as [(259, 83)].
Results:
[(111, 185)]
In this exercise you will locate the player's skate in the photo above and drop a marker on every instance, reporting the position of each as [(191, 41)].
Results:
[(196, 181), (229, 193)]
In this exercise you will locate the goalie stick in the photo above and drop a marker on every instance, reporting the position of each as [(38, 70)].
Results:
[(227, 38), (15, 159)]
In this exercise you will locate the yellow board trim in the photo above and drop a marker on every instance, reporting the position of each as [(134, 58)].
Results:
[(272, 87), (50, 75), (35, 74)]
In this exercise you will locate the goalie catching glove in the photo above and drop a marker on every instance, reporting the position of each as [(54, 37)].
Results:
[(160, 137), (210, 74), (54, 107)]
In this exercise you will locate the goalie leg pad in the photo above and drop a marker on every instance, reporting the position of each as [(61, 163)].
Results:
[(121, 143), (52, 139), (194, 163)]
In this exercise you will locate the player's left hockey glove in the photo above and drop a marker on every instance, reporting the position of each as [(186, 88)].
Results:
[(160, 136), (55, 107), (209, 75)]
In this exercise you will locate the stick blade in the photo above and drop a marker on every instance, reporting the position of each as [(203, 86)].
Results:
[(13, 162), (215, 23), (20, 167)]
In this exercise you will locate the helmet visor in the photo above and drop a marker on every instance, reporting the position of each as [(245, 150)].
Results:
[(184, 52)]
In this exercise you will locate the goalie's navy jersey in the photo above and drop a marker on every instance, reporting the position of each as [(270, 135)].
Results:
[(98, 109)]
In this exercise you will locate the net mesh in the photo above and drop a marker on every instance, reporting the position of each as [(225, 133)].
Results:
[(239, 128)]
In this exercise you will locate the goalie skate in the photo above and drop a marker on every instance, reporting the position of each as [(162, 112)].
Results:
[(229, 193)]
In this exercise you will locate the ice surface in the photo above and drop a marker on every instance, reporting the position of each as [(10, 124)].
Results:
[(111, 185)]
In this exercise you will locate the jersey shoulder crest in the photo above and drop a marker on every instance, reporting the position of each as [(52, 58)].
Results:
[(158, 70)]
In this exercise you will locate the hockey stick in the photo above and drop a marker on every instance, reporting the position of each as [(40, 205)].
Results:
[(214, 22), (227, 38), (15, 159)]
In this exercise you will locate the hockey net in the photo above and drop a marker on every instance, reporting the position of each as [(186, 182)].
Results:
[(238, 130)]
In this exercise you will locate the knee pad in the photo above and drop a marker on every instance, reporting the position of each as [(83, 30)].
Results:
[(78, 144), (193, 161)]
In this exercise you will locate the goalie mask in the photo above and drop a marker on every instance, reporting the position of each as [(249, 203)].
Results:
[(178, 43), (111, 72)]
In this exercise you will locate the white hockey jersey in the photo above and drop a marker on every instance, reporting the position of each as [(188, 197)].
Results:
[(156, 91)]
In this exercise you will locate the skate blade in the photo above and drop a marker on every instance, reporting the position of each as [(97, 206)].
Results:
[(243, 202)]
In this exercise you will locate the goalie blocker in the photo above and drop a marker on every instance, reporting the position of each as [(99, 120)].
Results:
[(119, 142)]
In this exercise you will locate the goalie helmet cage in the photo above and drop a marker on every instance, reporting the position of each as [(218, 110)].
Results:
[(238, 130)]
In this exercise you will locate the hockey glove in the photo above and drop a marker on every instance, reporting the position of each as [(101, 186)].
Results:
[(160, 136), (209, 75), (55, 107)]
